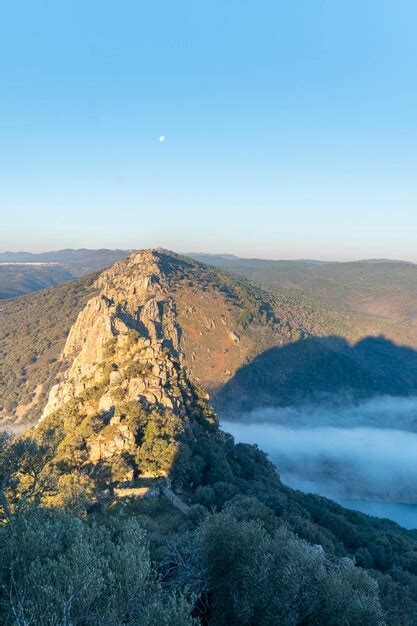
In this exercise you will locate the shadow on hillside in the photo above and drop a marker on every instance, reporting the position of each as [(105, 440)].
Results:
[(320, 369)]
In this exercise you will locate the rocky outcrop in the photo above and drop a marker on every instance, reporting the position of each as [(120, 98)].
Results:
[(127, 404), (130, 327), (126, 371)]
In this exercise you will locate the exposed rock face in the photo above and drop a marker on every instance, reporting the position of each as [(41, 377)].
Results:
[(215, 321), (125, 366), (131, 326), (156, 313)]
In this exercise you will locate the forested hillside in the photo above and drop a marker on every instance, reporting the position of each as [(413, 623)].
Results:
[(378, 295)]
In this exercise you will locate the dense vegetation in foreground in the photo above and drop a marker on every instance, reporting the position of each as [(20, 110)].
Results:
[(249, 551)]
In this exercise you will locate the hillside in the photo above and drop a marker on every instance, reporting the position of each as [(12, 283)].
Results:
[(380, 293), (246, 345), (320, 370), (224, 323), (79, 261), (127, 436)]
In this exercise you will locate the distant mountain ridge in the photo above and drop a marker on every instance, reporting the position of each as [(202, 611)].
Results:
[(20, 272), (204, 256), (66, 255), (21, 278), (25, 276)]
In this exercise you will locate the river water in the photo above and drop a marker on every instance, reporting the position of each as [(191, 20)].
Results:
[(403, 514)]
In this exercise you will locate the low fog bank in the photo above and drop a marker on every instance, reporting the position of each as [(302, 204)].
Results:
[(365, 452), (379, 412)]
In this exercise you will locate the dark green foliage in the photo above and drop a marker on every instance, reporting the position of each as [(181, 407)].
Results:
[(238, 479), (246, 575), (23, 481), (256, 306), (159, 447), (58, 569), (398, 599), (245, 562)]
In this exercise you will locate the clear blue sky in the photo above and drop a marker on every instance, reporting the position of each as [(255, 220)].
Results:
[(291, 126)]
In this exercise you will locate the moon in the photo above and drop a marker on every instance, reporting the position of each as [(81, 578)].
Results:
[(162, 138)]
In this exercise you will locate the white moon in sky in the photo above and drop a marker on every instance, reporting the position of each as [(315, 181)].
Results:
[(162, 138)]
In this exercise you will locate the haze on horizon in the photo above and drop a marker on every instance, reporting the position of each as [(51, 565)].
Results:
[(290, 128), (206, 253)]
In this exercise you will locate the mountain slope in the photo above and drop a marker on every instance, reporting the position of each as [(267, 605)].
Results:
[(127, 421), (197, 314), (18, 279), (379, 295), (246, 345), (224, 323), (320, 369)]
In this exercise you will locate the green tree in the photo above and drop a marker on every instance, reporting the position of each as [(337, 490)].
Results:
[(58, 569), (250, 576)]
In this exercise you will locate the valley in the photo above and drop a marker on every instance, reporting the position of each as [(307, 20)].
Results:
[(270, 363), (363, 453)]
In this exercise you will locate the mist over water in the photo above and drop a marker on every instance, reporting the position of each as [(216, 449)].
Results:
[(364, 456), (380, 412)]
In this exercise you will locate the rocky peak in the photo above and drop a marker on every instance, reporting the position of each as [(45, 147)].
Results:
[(131, 327), (156, 324), (125, 364)]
